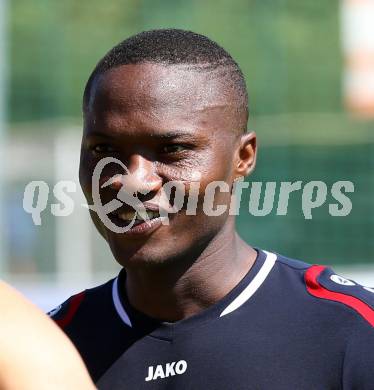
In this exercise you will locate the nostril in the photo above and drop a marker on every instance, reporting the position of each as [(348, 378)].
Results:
[(140, 181), (115, 182)]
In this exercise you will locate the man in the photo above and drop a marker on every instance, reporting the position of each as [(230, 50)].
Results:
[(34, 353), (194, 306)]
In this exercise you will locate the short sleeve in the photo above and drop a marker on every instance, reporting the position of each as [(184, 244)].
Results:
[(64, 313)]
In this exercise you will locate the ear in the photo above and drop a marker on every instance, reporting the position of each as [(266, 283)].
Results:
[(246, 155)]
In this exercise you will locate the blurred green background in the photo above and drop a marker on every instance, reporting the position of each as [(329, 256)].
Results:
[(290, 52)]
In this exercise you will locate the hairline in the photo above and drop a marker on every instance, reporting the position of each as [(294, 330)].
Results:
[(189, 66)]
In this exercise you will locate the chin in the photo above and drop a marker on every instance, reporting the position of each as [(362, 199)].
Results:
[(165, 247), (135, 254), (155, 255)]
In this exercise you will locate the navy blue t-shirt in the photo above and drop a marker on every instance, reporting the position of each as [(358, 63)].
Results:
[(287, 325)]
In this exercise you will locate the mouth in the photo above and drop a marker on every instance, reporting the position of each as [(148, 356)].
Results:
[(140, 226)]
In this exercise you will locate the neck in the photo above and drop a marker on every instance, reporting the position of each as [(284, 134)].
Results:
[(184, 288)]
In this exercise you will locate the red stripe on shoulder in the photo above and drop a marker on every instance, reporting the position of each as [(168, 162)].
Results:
[(74, 304), (317, 290)]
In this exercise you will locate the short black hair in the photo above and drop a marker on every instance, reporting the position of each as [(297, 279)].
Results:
[(174, 47)]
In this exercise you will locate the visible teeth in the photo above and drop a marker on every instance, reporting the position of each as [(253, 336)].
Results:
[(153, 214), (141, 215), (127, 215)]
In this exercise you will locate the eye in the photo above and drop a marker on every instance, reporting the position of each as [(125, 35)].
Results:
[(173, 148), (102, 148)]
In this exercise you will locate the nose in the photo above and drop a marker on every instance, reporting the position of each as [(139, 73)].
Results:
[(142, 177)]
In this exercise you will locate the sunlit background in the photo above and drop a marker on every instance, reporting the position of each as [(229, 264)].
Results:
[(309, 67)]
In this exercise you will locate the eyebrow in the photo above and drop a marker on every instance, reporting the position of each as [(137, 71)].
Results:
[(169, 135)]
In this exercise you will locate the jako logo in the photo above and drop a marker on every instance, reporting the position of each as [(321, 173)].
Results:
[(170, 369)]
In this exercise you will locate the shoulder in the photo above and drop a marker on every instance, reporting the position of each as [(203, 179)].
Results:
[(83, 306), (323, 287), (92, 320), (323, 283)]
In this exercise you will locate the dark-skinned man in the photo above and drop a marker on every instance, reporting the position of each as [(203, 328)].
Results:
[(194, 306)]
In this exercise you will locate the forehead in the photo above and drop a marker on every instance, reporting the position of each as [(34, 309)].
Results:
[(156, 95)]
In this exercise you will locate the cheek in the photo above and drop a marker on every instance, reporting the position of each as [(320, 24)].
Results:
[(182, 172), (202, 197), (99, 225), (86, 167), (217, 166), (85, 177), (221, 173)]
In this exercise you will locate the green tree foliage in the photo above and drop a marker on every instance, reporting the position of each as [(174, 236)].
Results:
[(288, 49)]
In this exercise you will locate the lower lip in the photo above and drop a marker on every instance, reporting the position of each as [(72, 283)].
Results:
[(143, 228)]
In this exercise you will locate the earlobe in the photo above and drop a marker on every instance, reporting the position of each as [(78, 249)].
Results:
[(246, 155)]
